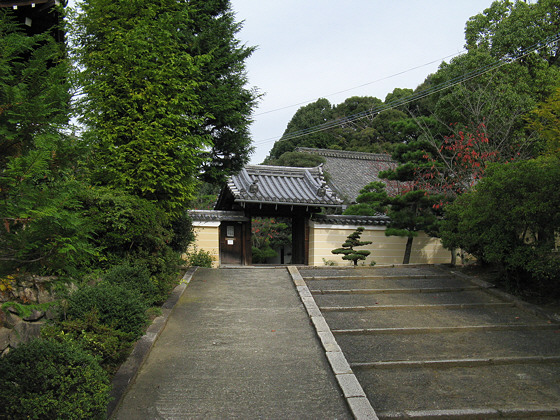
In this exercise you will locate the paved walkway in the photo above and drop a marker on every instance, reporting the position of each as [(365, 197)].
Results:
[(238, 345)]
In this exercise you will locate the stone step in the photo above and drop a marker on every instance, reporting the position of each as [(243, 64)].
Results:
[(474, 344), (373, 299), (385, 283), (396, 290), (447, 363), (408, 270), (434, 307), (448, 316), (519, 413), (492, 387), (442, 330)]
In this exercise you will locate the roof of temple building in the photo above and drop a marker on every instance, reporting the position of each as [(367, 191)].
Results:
[(349, 172)]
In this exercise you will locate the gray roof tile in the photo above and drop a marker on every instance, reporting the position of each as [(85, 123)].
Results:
[(349, 172), (282, 185)]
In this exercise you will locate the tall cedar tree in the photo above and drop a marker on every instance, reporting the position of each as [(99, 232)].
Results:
[(223, 93), (140, 102)]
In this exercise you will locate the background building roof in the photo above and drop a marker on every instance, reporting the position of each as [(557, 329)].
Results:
[(349, 172)]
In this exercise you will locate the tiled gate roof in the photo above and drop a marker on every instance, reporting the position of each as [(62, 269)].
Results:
[(280, 185)]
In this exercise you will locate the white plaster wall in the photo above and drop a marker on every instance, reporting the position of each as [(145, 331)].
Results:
[(384, 249), (208, 239)]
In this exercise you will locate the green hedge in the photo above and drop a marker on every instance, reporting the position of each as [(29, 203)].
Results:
[(52, 380), (111, 347), (115, 306), (133, 277)]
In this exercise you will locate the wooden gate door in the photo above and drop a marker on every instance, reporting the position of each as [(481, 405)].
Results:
[(231, 243)]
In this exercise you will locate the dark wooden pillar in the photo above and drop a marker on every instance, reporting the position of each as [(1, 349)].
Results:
[(247, 250)]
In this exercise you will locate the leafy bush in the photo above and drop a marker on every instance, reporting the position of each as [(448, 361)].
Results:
[(124, 224), (116, 307), (110, 346), (52, 380), (512, 220), (200, 258), (260, 255), (183, 234), (133, 277), (163, 264), (131, 229)]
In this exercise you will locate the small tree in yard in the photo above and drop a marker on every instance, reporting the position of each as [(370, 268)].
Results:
[(348, 251)]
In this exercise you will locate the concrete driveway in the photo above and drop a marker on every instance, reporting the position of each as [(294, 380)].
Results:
[(238, 345)]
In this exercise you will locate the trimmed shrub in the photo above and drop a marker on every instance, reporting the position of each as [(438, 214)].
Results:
[(52, 380), (133, 277), (110, 346), (116, 307), (164, 268), (200, 258)]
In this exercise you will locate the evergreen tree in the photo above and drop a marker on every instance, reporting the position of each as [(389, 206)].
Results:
[(41, 226), (33, 88), (226, 100), (348, 252), (140, 102)]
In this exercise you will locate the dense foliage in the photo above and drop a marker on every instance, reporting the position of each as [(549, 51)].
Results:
[(41, 228), (227, 101), (52, 380), (129, 228), (111, 347), (113, 305), (160, 89), (511, 219), (133, 277), (140, 103)]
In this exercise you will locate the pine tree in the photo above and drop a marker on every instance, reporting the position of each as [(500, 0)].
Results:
[(348, 251)]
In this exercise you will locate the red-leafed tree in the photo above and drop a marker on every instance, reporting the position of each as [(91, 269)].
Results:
[(453, 166)]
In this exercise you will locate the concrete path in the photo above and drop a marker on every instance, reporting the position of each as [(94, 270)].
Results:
[(238, 345)]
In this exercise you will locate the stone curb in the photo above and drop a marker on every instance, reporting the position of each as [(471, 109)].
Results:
[(351, 388), (129, 369), (467, 414)]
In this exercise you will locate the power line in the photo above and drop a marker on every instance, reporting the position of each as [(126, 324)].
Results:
[(362, 85), (419, 95)]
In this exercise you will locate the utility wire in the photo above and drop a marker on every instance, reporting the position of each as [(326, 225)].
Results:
[(362, 85), (419, 95)]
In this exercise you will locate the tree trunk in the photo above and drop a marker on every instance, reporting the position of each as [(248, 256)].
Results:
[(408, 250)]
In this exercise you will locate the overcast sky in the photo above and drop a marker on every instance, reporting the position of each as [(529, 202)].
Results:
[(311, 49)]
